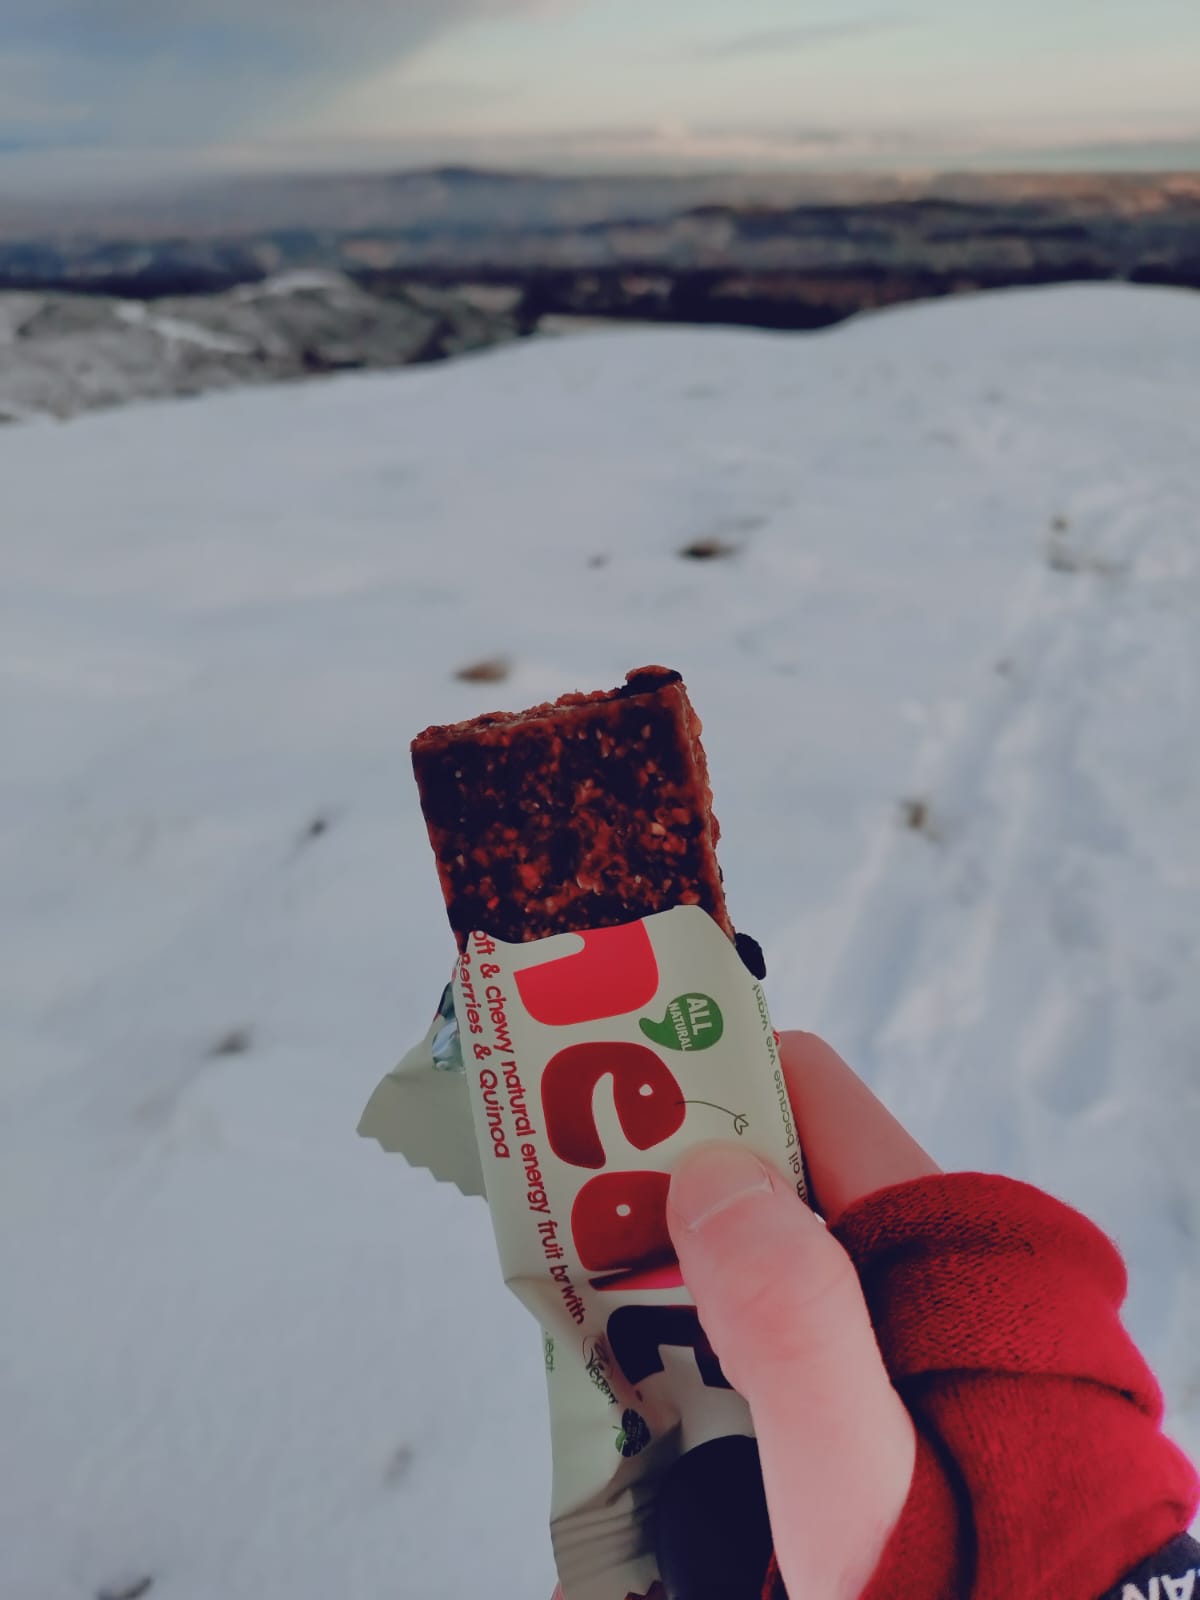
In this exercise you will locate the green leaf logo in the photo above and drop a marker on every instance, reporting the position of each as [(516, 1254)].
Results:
[(692, 1022)]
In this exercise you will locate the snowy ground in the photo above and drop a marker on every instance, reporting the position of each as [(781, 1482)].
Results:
[(244, 1354)]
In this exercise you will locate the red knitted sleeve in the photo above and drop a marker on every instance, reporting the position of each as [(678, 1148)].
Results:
[(1041, 1466)]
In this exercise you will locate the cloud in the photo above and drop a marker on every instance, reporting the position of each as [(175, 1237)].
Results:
[(29, 105), (795, 37), (187, 71)]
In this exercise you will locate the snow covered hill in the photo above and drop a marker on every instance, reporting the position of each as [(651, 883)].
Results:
[(948, 657), (64, 353)]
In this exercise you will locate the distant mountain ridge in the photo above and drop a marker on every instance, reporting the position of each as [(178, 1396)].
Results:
[(775, 250)]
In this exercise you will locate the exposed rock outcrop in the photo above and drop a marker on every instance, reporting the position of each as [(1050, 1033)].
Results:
[(65, 353)]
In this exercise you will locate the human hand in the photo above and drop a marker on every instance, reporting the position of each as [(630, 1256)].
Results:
[(1037, 1467), (944, 1398)]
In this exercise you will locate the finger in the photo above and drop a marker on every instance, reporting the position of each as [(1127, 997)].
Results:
[(781, 1303), (851, 1142)]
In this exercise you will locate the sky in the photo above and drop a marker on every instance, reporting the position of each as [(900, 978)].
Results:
[(102, 83)]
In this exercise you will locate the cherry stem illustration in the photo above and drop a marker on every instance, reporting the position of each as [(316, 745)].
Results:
[(740, 1121)]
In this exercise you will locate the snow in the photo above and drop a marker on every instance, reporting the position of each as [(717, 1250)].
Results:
[(133, 311), (298, 280), (244, 1353)]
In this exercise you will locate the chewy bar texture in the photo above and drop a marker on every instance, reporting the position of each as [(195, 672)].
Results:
[(581, 814)]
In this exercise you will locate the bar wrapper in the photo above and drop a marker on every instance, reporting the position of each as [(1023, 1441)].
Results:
[(588, 1063), (422, 1109)]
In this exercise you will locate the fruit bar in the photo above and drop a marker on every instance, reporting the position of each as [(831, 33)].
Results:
[(585, 813)]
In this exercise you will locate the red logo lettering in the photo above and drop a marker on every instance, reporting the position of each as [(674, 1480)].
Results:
[(619, 1219), (647, 1096), (615, 972)]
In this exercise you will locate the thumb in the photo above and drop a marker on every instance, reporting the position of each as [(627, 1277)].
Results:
[(782, 1307)]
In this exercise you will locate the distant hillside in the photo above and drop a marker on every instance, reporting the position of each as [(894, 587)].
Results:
[(772, 250), (62, 354)]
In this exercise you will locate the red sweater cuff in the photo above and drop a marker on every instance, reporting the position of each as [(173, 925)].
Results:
[(1040, 1466), (926, 1548), (970, 1272)]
